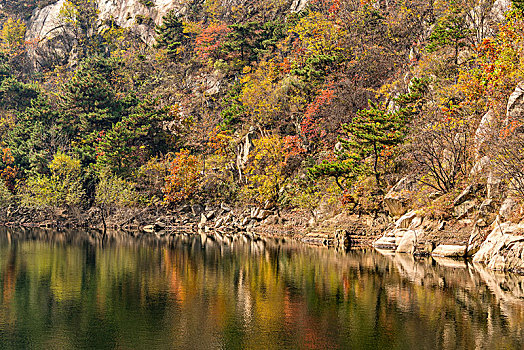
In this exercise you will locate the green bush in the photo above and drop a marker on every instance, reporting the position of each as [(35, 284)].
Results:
[(62, 188), (113, 191)]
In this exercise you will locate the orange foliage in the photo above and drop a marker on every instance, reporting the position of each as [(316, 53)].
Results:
[(9, 172), (182, 181), (208, 43)]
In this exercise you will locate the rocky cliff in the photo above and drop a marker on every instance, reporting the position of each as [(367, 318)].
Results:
[(52, 42)]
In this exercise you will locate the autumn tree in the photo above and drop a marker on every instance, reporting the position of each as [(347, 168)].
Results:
[(133, 140), (273, 162), (12, 35), (452, 31), (171, 35), (182, 182)]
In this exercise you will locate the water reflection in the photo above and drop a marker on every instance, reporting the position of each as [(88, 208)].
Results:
[(85, 290)]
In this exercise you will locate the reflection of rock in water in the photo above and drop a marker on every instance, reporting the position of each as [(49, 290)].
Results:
[(460, 301)]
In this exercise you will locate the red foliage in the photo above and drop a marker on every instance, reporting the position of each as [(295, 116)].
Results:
[(310, 124), (208, 43)]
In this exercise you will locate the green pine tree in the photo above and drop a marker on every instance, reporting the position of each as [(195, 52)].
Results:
[(450, 31), (372, 130), (170, 35)]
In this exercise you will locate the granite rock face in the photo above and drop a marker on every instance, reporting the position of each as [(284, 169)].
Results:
[(52, 42), (503, 249), (398, 199), (515, 107)]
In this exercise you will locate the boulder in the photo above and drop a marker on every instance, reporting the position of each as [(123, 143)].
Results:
[(53, 41), (245, 221), (406, 219), (468, 193), (263, 214), (219, 222), (460, 211), (197, 209), (407, 243), (391, 239), (211, 214), (494, 187), (450, 251), (503, 248), (244, 150), (386, 242), (260, 214), (484, 132), (271, 220), (398, 199), (149, 228), (508, 207), (499, 9), (480, 167)]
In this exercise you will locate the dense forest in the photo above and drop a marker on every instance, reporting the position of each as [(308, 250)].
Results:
[(254, 104)]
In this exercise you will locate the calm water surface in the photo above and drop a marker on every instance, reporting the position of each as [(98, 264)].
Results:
[(84, 290)]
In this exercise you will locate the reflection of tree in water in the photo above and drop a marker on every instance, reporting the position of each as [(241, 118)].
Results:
[(174, 291)]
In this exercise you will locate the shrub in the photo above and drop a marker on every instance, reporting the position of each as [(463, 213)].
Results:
[(182, 181), (273, 162), (62, 188), (113, 191)]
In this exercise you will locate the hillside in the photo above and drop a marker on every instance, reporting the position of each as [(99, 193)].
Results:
[(301, 117)]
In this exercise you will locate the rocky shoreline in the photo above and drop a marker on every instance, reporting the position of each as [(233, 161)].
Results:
[(480, 228)]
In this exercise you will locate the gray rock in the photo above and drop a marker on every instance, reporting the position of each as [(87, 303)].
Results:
[(149, 228), (271, 220), (54, 41), (494, 186), (398, 199), (480, 169), (406, 219), (508, 207), (450, 250), (429, 247), (503, 248), (484, 132), (499, 9), (407, 243), (460, 211), (515, 107), (263, 214), (254, 212), (468, 193), (197, 209), (219, 222), (244, 151)]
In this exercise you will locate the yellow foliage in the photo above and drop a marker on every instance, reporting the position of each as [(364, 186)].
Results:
[(318, 35), (13, 33), (262, 92), (267, 172)]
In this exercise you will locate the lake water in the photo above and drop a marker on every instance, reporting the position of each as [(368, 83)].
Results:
[(83, 290)]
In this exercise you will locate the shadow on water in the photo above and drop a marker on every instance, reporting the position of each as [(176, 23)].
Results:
[(88, 290)]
